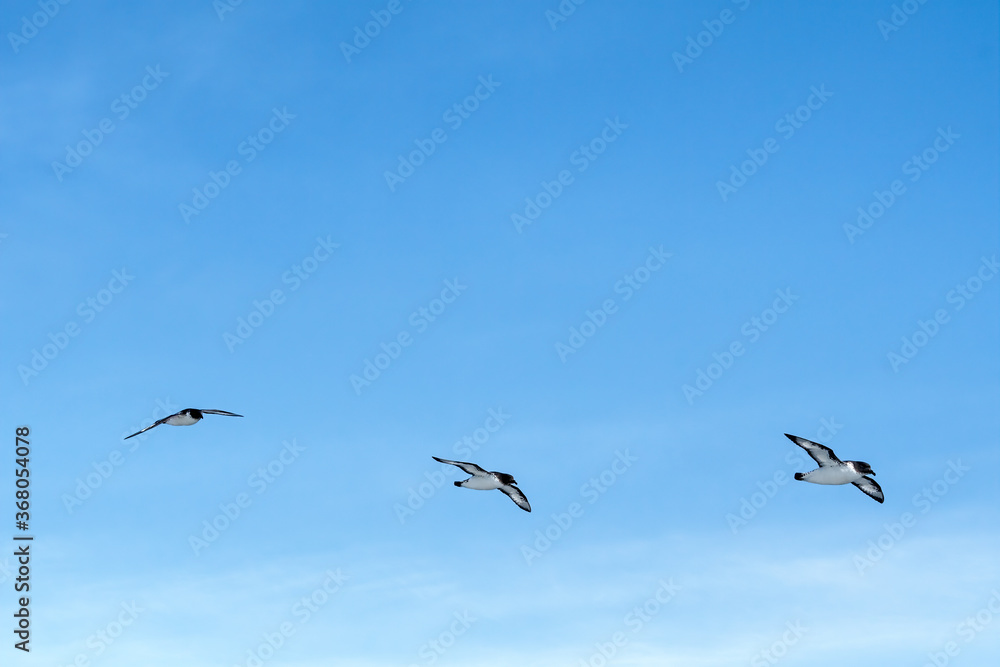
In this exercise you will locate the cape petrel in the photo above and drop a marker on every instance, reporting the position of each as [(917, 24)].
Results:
[(185, 417), (832, 470), (483, 480)]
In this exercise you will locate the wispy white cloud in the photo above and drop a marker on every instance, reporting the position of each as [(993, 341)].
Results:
[(730, 605)]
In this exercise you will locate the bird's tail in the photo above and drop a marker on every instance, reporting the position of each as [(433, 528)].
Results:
[(458, 483), (800, 476)]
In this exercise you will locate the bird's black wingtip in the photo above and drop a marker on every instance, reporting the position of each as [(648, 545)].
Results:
[(791, 437)]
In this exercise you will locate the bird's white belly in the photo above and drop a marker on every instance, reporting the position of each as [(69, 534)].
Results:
[(830, 475), (481, 484), (181, 420)]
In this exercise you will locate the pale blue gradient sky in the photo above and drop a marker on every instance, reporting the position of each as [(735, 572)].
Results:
[(820, 370)]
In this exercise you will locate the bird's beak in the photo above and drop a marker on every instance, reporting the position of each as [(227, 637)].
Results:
[(873, 473)]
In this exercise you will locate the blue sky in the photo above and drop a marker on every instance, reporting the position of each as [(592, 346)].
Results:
[(605, 259)]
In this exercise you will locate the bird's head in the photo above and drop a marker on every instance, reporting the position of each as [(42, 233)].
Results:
[(506, 479), (863, 468)]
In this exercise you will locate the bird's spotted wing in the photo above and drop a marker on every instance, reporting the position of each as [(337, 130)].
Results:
[(220, 412), (516, 495), (153, 425), (870, 488), (470, 468), (821, 454)]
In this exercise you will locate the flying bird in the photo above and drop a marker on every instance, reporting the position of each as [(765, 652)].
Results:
[(185, 417), (484, 480), (832, 470)]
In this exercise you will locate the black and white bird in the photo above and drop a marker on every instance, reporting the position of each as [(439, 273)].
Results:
[(185, 417), (832, 470), (483, 480)]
